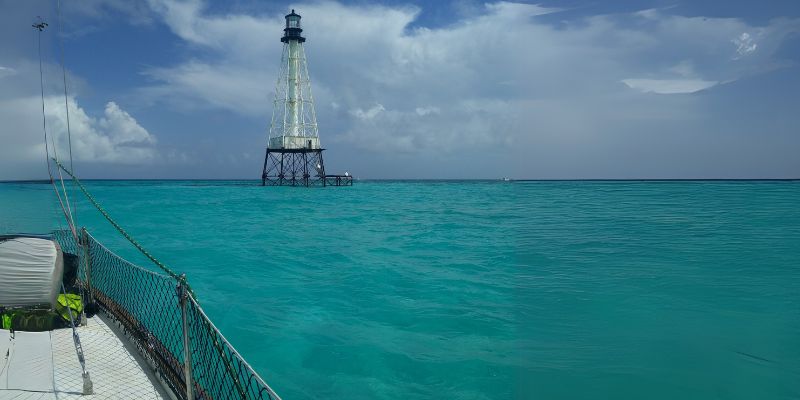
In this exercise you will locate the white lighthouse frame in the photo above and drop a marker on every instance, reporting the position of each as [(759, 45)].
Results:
[(294, 119)]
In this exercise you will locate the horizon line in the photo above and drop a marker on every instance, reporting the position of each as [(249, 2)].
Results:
[(443, 179)]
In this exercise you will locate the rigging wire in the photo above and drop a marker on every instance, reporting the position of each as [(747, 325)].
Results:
[(71, 208), (88, 387), (40, 26), (74, 211)]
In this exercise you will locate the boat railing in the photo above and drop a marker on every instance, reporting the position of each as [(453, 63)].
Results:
[(163, 319)]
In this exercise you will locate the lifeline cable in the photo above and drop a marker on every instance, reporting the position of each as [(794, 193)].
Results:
[(119, 228)]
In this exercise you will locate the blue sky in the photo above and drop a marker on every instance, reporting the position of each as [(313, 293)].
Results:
[(412, 89)]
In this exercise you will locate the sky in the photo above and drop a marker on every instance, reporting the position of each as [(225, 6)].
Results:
[(572, 89)]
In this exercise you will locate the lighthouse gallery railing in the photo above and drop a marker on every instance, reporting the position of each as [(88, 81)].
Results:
[(162, 318)]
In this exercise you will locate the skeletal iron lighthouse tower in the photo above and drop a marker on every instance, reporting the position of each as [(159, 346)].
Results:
[(294, 154)]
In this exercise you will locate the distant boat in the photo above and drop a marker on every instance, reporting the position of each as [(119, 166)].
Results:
[(507, 179)]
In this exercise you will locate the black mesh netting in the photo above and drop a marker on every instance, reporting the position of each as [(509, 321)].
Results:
[(147, 305)]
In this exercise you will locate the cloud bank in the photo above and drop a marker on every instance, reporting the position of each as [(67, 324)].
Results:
[(114, 137), (498, 79), (501, 89)]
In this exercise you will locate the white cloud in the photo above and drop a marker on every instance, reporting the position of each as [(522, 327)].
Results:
[(114, 138), (110, 136), (6, 71), (745, 44), (368, 114), (423, 111), (195, 84), (519, 10), (123, 129), (382, 130), (669, 86)]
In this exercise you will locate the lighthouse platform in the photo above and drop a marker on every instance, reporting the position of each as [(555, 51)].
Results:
[(338, 180), (299, 167)]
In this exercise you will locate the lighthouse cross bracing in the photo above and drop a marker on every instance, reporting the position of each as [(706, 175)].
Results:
[(294, 154), (294, 120)]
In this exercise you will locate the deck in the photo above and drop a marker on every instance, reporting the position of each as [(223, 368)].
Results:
[(116, 369)]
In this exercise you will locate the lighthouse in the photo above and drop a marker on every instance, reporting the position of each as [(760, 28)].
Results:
[(294, 152)]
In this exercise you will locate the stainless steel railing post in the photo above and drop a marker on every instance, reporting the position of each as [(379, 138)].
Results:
[(183, 297), (87, 266)]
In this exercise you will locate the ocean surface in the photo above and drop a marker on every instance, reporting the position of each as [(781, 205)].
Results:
[(478, 290)]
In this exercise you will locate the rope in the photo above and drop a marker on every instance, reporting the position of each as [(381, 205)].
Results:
[(144, 302), (180, 278), (122, 231)]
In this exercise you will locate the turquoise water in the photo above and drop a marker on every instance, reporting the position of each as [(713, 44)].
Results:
[(480, 290)]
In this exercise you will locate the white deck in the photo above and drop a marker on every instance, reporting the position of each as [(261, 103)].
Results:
[(114, 366)]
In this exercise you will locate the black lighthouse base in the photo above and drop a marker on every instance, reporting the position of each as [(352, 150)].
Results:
[(299, 167)]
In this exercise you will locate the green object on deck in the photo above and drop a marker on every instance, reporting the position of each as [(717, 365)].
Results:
[(71, 301), (35, 321), (31, 320)]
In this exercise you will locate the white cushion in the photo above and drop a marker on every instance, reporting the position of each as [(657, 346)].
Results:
[(30, 272)]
